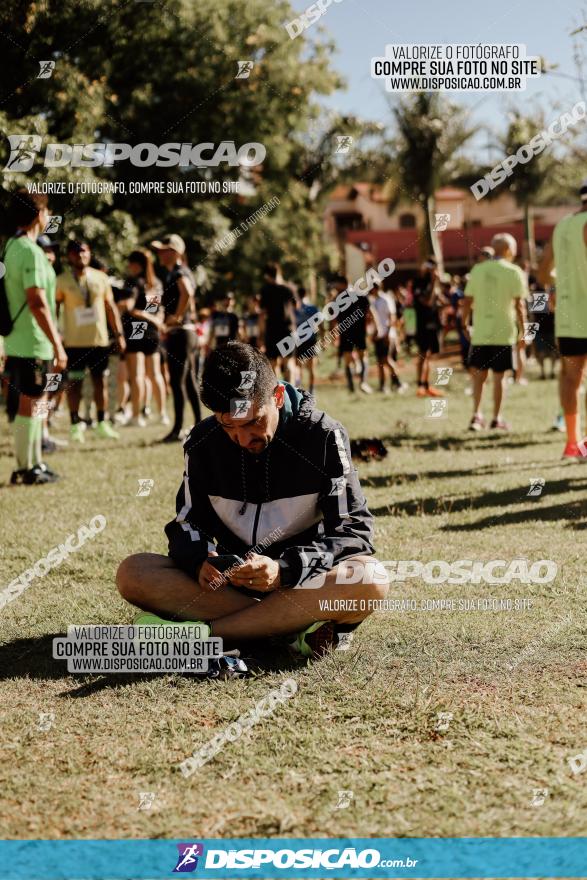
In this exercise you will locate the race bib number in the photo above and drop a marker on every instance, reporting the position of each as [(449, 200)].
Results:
[(222, 330), (251, 330), (85, 316)]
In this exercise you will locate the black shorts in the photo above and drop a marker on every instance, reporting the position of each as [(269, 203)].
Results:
[(271, 349), (382, 348), (142, 346), (571, 347), (498, 358), (27, 376), (94, 359), (307, 349), (350, 341), (427, 341)]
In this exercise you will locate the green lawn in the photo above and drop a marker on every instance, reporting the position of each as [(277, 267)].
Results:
[(362, 721)]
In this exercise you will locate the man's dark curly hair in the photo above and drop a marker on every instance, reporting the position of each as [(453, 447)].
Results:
[(222, 379)]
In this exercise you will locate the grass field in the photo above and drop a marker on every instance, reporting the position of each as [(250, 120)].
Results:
[(362, 721)]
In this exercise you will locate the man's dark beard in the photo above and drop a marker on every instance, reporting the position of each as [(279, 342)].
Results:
[(260, 451)]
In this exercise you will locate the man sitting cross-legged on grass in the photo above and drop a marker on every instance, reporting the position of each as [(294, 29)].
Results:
[(270, 479)]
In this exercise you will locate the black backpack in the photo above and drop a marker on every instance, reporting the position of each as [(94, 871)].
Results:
[(7, 322)]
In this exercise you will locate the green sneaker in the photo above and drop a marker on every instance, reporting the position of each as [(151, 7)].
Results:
[(315, 640), (76, 433), (145, 618), (105, 431)]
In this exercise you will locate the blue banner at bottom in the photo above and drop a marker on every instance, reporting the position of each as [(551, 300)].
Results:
[(370, 857)]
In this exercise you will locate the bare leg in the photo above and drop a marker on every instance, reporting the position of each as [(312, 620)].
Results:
[(153, 368), (381, 374), (137, 382), (291, 610), (497, 393), (74, 395), (100, 391), (121, 384), (571, 375), (348, 369), (288, 369), (519, 373), (152, 582), (424, 368), (479, 379)]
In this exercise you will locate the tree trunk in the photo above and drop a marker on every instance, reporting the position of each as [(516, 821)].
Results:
[(529, 243), (431, 239)]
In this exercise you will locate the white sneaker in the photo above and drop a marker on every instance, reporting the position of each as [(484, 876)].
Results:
[(365, 388), (344, 641), (121, 417), (136, 422), (164, 420), (60, 444)]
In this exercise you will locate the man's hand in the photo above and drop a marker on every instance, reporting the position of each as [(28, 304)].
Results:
[(209, 578), (258, 573), (59, 359)]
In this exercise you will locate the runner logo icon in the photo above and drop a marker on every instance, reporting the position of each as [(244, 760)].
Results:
[(187, 861)]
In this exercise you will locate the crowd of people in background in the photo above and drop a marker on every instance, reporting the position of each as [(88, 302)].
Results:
[(155, 329)]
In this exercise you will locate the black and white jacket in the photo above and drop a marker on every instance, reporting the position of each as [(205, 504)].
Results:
[(299, 502)]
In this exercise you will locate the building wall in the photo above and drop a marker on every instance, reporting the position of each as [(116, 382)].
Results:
[(463, 208)]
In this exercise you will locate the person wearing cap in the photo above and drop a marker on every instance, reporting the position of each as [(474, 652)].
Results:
[(85, 297), (179, 330), (486, 253), (565, 262), (496, 291)]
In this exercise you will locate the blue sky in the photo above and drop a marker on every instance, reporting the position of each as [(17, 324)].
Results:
[(362, 28)]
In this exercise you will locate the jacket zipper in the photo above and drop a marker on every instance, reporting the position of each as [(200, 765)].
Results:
[(256, 523)]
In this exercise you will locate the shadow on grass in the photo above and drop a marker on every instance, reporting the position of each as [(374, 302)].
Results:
[(466, 442), (451, 504), (33, 658), (379, 481), (575, 511)]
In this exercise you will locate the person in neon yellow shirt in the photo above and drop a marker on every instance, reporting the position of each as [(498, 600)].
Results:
[(33, 347), (495, 292), (565, 262)]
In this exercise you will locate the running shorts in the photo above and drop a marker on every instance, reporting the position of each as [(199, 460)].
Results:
[(427, 341), (498, 358), (382, 348), (93, 359), (27, 376), (569, 346)]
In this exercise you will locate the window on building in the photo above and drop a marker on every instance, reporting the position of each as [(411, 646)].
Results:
[(407, 221), (345, 222)]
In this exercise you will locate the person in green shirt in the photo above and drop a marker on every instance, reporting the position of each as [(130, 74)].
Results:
[(565, 262), (495, 292), (33, 347)]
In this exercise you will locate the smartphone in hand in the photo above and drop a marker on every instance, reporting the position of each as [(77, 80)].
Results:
[(226, 561)]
